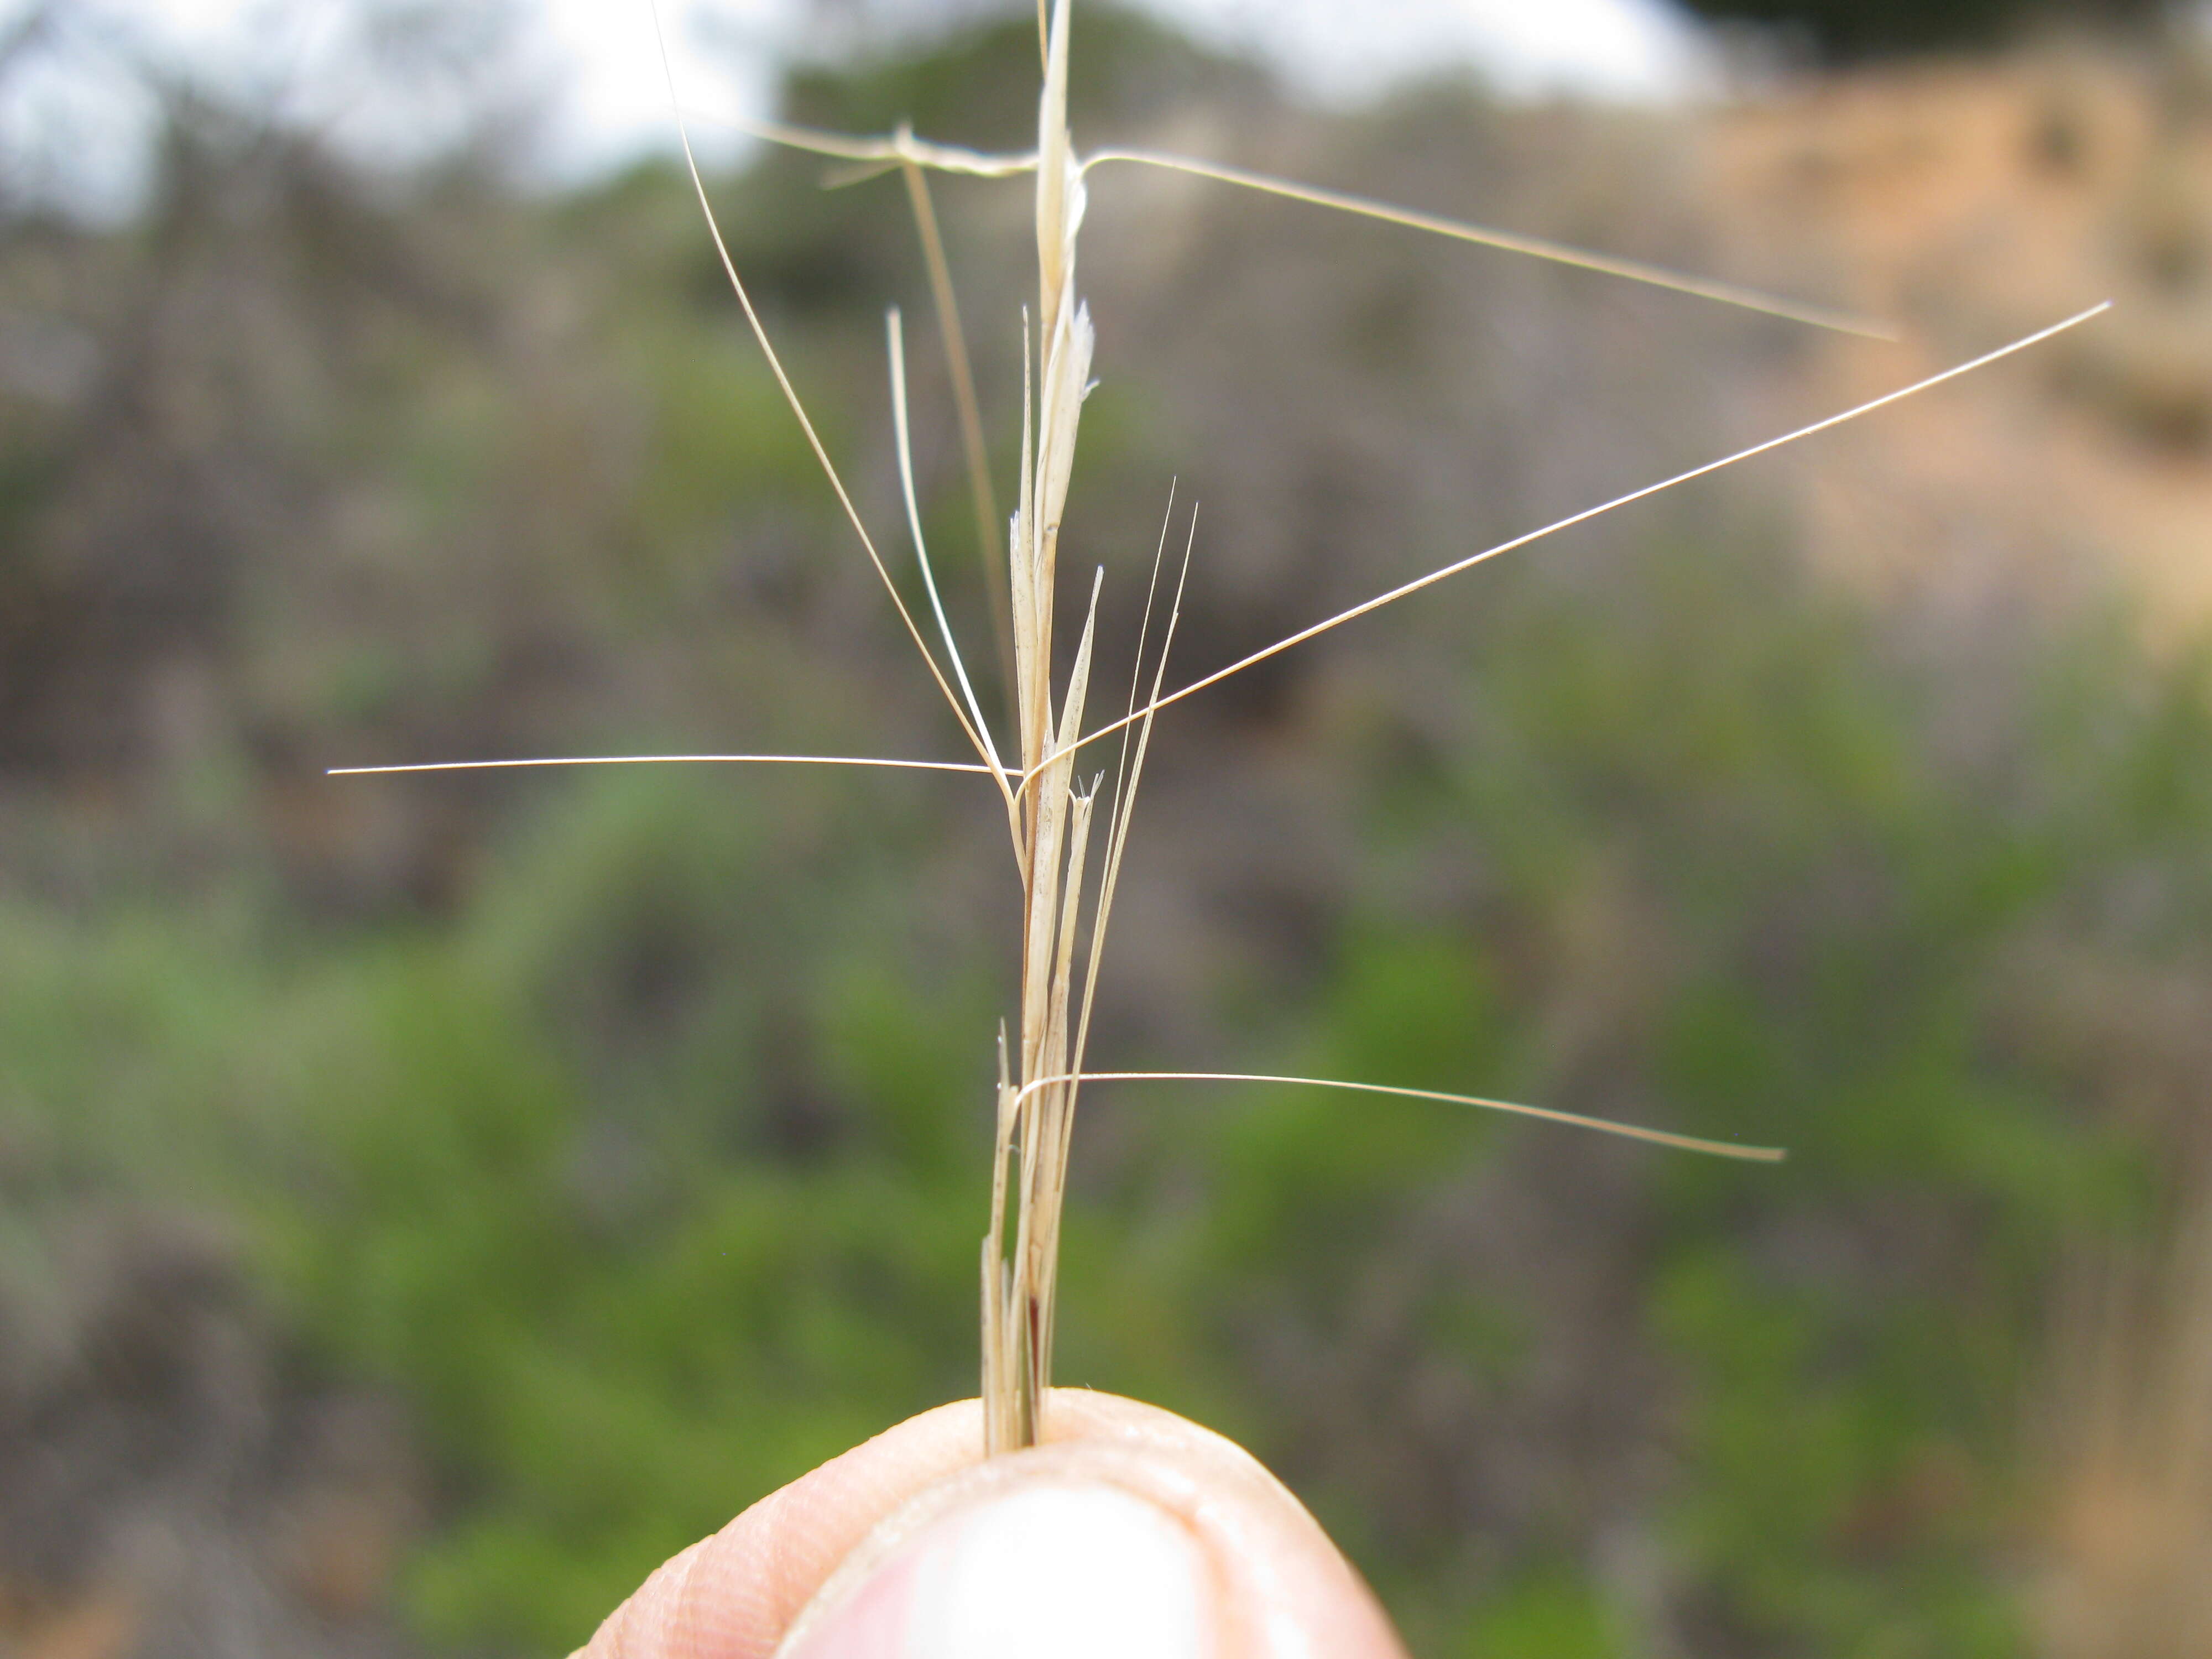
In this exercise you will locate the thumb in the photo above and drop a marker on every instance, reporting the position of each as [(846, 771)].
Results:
[(1133, 1532), (1137, 1533)]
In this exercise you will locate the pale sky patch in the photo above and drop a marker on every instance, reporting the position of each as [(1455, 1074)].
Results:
[(608, 99)]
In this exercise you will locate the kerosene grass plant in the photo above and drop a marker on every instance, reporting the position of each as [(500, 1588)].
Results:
[(1067, 781)]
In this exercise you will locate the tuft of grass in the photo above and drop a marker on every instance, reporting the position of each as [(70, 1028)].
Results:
[(1050, 804)]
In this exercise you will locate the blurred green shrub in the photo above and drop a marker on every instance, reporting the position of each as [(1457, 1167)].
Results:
[(633, 1133), (655, 1177)]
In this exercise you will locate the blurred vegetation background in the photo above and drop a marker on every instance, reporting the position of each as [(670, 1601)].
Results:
[(425, 1203)]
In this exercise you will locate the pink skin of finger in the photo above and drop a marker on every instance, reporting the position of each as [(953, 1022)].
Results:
[(1131, 1531)]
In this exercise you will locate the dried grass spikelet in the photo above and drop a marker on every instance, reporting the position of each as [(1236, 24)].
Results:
[(1051, 810), (1033, 1123)]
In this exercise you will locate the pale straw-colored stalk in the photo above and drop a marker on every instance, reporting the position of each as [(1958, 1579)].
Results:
[(1051, 810)]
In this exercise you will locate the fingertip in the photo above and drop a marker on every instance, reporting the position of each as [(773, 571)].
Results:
[(1132, 1526), (1133, 1531), (1072, 1569), (734, 1594)]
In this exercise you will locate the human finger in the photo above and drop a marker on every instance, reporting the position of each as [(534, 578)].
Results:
[(1132, 1530)]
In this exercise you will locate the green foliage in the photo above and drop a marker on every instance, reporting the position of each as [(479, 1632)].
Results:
[(610, 1320), (1551, 1614), (655, 1176)]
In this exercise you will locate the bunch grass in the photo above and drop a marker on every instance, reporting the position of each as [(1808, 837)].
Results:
[(1051, 806)]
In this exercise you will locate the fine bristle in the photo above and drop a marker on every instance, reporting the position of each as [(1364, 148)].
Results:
[(885, 762), (895, 344), (1406, 589), (871, 157), (792, 398), (982, 496), (1534, 247), (1545, 1114)]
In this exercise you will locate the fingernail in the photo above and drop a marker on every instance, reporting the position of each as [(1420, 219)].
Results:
[(1049, 1572)]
